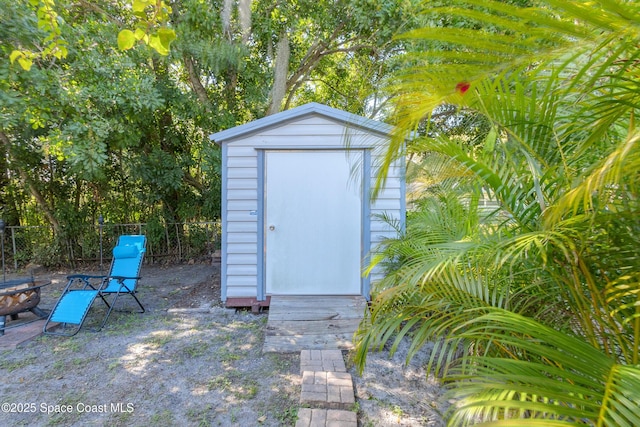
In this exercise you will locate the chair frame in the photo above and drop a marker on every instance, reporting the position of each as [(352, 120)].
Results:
[(83, 283)]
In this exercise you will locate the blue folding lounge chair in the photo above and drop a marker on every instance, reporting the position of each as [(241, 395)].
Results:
[(82, 290)]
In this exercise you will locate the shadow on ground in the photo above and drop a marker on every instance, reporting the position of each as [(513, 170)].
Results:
[(186, 361)]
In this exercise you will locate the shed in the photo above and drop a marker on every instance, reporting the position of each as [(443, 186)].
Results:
[(297, 215)]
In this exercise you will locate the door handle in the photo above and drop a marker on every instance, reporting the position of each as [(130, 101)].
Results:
[(272, 227)]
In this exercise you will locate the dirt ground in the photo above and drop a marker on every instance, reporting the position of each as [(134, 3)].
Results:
[(187, 361)]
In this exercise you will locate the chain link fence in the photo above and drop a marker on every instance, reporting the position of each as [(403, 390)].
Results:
[(40, 245)]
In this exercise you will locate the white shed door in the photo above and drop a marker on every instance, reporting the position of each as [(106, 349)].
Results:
[(313, 222)]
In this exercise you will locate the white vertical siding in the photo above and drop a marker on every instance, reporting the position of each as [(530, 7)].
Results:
[(389, 203)]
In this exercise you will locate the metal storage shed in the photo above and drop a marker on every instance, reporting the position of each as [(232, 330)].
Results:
[(297, 216)]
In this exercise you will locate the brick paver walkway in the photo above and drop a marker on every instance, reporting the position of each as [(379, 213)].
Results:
[(326, 418), (322, 360), (327, 391)]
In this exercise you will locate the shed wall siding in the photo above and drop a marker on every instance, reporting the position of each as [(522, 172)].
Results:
[(242, 192)]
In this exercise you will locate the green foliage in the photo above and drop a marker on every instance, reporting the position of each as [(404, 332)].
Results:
[(115, 129), (155, 232), (150, 14), (563, 381), (103, 130), (533, 303), (54, 44)]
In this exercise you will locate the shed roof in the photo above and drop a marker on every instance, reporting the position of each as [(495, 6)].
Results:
[(302, 111)]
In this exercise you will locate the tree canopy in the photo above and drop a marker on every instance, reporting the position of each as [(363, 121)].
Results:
[(96, 124)]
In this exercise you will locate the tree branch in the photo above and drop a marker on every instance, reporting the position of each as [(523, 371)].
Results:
[(196, 84), (99, 10), (316, 52), (193, 182), (311, 59), (349, 49)]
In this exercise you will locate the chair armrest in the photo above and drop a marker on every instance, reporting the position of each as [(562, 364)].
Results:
[(84, 276), (119, 279)]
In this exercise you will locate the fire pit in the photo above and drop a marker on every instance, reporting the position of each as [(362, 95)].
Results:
[(18, 296)]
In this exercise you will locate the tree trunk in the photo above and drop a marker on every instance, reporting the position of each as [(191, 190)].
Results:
[(280, 71), (225, 16), (33, 190), (244, 16), (196, 84)]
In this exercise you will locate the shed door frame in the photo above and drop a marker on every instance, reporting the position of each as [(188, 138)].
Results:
[(365, 221)]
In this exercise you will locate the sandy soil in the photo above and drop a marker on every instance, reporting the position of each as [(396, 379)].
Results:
[(187, 361)]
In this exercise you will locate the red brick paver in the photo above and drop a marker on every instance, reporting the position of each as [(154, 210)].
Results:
[(327, 390), (322, 360), (326, 418), (332, 390), (14, 336)]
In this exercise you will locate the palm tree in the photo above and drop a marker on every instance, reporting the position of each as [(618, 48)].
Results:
[(535, 308)]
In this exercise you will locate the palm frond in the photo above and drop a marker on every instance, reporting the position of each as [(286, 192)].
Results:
[(558, 85), (573, 41), (562, 379), (606, 175), (436, 276)]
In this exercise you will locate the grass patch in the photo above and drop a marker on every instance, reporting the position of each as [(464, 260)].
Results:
[(200, 416), (249, 326), (164, 418), (69, 345), (247, 390), (56, 369), (80, 362), (196, 349), (288, 416), (220, 383), (11, 366), (157, 339), (282, 362), (397, 411), (236, 384), (222, 338), (121, 419), (209, 326), (120, 323), (283, 407), (65, 418), (225, 355)]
